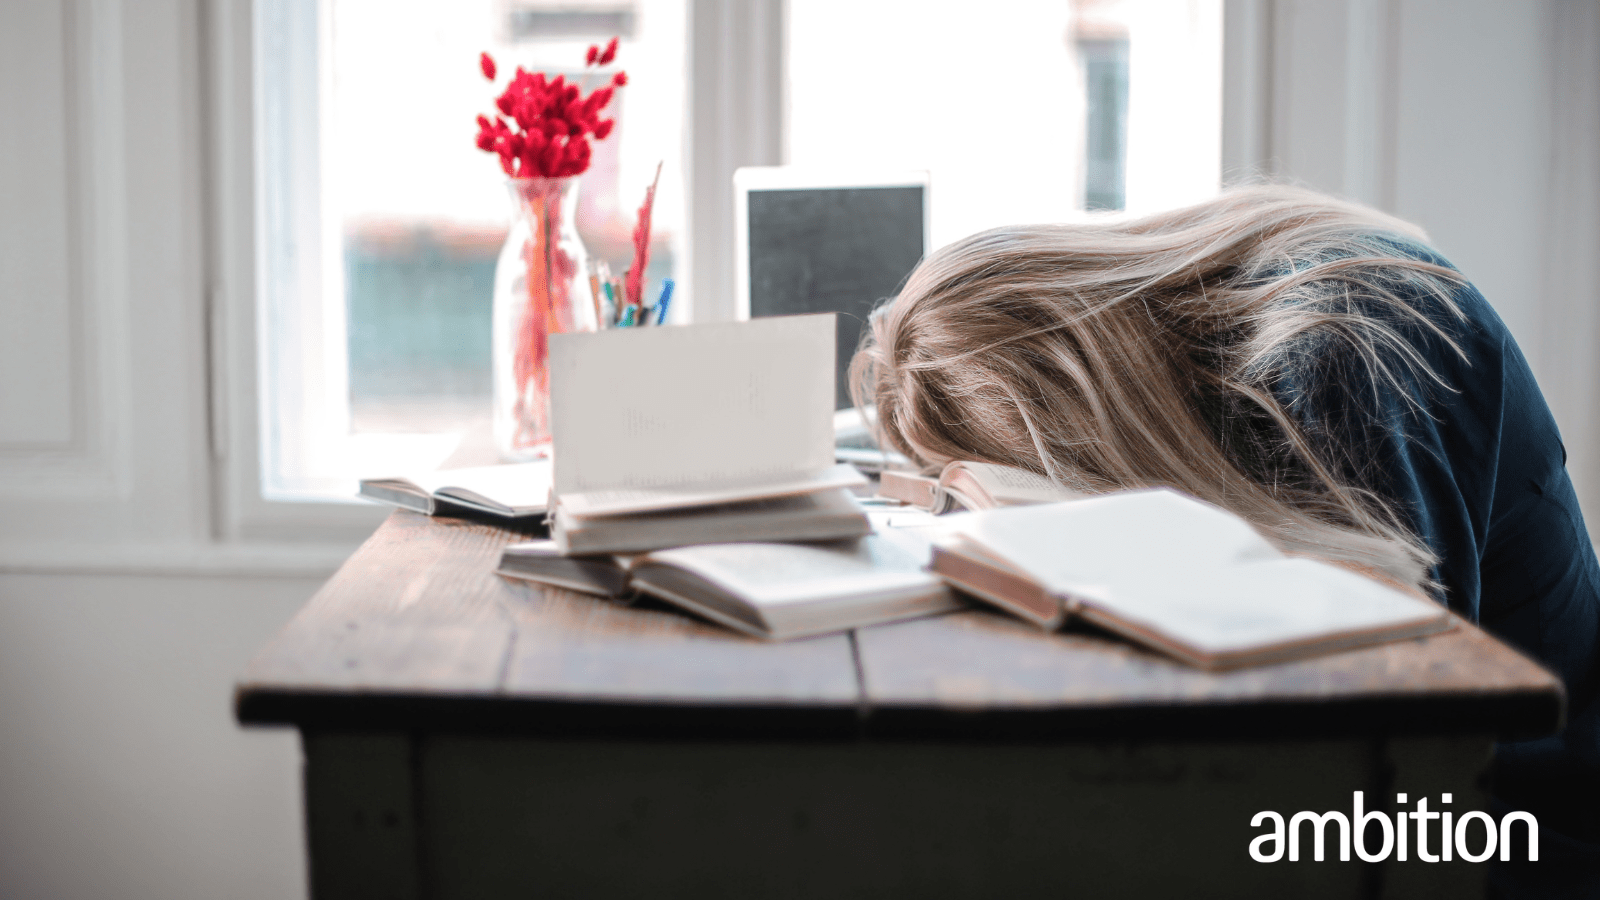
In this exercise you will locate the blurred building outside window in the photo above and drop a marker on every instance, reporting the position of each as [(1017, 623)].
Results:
[(1020, 110)]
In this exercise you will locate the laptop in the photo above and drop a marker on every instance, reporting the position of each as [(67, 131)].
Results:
[(810, 240)]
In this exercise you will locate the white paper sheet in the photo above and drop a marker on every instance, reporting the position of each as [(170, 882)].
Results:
[(691, 406)]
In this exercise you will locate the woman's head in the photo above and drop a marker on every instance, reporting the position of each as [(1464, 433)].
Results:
[(1144, 352)]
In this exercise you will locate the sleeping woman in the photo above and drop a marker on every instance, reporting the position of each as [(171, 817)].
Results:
[(1312, 366)]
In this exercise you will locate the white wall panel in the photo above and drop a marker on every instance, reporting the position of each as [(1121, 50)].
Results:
[(110, 193), (64, 366), (1569, 315), (37, 300), (1474, 143), (1308, 64)]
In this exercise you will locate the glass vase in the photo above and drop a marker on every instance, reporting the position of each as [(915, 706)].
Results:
[(541, 287)]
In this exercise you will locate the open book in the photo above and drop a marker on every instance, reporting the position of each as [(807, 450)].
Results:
[(1176, 574), (697, 434), (971, 485), (512, 491), (775, 591)]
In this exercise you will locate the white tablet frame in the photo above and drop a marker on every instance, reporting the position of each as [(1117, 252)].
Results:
[(784, 178)]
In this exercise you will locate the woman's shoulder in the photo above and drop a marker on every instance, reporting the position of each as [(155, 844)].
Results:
[(1406, 335), (1440, 290), (1403, 307)]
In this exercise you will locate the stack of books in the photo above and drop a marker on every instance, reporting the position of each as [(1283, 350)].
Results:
[(696, 464)]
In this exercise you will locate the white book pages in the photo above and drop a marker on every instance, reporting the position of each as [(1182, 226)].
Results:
[(1159, 538), (818, 516), (628, 501), (769, 574), (1006, 485), (1266, 603), (515, 485), (687, 407)]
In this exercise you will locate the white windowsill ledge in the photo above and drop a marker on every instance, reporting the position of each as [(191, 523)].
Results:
[(254, 560)]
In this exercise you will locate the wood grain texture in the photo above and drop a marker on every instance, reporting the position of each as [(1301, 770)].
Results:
[(418, 615), (980, 662), (570, 644), (414, 610), (416, 631)]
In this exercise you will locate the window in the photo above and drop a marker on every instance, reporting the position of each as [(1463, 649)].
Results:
[(381, 221), (378, 221), (1021, 110)]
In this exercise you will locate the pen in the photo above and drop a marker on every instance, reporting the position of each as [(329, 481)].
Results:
[(666, 298), (594, 292), (627, 316)]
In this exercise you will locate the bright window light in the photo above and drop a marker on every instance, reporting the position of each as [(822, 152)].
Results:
[(1021, 110), (380, 220)]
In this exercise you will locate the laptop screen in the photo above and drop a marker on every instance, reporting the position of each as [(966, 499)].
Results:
[(837, 248)]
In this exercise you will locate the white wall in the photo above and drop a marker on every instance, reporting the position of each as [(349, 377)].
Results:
[(130, 592), (126, 609), (122, 774)]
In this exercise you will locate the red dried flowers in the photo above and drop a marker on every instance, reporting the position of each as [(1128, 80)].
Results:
[(551, 120)]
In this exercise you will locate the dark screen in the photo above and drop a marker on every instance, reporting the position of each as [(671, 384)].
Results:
[(832, 250)]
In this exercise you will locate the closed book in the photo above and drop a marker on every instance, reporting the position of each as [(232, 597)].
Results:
[(816, 516)]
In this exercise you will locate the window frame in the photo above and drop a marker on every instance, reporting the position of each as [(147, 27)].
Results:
[(735, 103)]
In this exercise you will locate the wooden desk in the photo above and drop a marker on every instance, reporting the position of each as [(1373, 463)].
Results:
[(467, 735)]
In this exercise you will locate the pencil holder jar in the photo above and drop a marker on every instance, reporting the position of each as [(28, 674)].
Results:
[(541, 287)]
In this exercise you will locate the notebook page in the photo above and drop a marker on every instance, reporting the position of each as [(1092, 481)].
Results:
[(686, 406), (1266, 604), (514, 485), (768, 575), (1008, 486), (1079, 548)]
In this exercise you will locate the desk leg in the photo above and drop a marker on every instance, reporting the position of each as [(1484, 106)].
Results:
[(361, 824), (1433, 767)]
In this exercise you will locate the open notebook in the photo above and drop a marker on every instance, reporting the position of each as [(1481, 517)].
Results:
[(1176, 574), (772, 590), (697, 434), (510, 491)]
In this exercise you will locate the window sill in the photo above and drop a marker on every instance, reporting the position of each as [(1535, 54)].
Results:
[(199, 560)]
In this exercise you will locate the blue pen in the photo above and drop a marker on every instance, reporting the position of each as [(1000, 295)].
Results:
[(666, 297)]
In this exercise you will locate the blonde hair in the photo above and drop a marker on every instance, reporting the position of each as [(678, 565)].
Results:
[(1144, 352)]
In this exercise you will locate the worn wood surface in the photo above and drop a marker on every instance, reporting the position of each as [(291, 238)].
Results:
[(416, 631), (418, 621), (986, 670)]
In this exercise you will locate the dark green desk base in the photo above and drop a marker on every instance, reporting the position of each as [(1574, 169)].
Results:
[(442, 816)]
